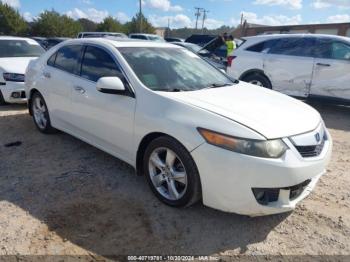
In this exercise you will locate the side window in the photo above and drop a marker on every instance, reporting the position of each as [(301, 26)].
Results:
[(67, 58), (97, 63), (340, 51), (293, 46), (51, 61), (263, 46), (323, 49)]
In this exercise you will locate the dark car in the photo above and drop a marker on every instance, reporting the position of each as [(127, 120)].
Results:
[(203, 53), (201, 40), (52, 41), (40, 41), (174, 39)]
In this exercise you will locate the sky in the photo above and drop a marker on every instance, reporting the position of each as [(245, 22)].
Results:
[(180, 13)]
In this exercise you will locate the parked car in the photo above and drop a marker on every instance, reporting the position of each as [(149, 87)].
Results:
[(201, 52), (201, 40), (40, 40), (52, 41), (301, 65), (149, 37), (174, 39), (15, 54), (190, 129), (100, 34)]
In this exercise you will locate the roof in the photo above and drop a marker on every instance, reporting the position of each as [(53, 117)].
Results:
[(143, 34), (14, 38), (296, 35), (120, 42), (300, 25)]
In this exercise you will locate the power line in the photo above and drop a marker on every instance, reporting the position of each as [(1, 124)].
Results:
[(197, 14), (204, 17)]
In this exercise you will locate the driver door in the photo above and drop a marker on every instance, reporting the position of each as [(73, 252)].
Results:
[(105, 120)]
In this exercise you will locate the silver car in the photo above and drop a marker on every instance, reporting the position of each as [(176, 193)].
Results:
[(301, 65)]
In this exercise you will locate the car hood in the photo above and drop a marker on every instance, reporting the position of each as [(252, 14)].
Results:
[(269, 113), (16, 65)]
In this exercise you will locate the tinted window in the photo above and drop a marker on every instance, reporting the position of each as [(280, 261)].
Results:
[(293, 47), (20, 48), (341, 51), (51, 61), (263, 46), (138, 37), (67, 58), (97, 63), (323, 49)]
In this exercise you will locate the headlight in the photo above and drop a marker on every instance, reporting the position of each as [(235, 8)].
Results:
[(259, 148), (13, 77)]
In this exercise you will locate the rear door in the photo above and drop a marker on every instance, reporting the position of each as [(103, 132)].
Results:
[(288, 63), (331, 76), (105, 120), (58, 78)]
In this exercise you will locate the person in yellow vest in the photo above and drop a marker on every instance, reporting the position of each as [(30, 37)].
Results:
[(231, 46)]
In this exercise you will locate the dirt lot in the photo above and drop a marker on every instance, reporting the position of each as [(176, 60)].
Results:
[(59, 195)]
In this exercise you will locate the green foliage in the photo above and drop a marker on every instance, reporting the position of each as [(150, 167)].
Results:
[(87, 25), (110, 24), (51, 23), (134, 25), (11, 22), (186, 32)]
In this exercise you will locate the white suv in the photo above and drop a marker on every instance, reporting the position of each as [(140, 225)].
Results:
[(301, 65)]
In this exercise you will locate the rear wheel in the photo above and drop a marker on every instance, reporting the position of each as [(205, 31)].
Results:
[(171, 172), (258, 79), (41, 115)]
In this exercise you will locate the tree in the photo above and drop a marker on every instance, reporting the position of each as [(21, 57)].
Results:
[(51, 23), (11, 22), (87, 25), (134, 25), (110, 24)]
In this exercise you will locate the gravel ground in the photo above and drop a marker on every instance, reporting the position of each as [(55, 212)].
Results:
[(59, 195)]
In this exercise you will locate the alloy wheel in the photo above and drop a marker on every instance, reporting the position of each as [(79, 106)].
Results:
[(39, 112), (167, 173)]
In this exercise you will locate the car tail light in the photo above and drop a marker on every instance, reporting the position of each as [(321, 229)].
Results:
[(230, 60)]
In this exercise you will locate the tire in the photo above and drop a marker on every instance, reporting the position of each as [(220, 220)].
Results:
[(41, 115), (182, 175), (2, 100), (258, 79)]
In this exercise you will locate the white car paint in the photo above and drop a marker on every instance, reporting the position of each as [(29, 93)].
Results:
[(299, 76), (117, 124), (15, 65)]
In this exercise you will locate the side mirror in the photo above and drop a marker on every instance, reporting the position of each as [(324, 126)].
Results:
[(110, 85)]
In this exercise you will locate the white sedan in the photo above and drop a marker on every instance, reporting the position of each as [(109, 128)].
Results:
[(15, 54), (194, 133)]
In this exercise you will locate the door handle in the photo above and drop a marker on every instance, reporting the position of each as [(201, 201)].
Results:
[(322, 64), (47, 75), (79, 89)]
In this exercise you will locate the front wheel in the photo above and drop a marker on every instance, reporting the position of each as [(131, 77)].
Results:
[(41, 115), (258, 79), (2, 100), (171, 172)]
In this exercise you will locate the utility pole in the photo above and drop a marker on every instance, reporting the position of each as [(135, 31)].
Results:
[(204, 17), (197, 14), (140, 1)]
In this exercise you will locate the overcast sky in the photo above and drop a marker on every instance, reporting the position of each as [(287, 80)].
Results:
[(180, 13)]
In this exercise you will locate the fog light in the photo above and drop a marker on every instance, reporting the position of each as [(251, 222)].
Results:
[(16, 94)]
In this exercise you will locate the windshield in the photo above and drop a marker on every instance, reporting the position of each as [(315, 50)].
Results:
[(172, 69), (20, 48)]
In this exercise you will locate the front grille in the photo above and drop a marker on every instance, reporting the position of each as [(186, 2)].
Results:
[(310, 151)]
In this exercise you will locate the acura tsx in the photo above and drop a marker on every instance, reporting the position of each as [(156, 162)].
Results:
[(195, 133)]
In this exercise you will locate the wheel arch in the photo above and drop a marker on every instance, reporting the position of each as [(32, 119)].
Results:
[(254, 71)]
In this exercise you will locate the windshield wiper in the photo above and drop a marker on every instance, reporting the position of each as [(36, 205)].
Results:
[(217, 85)]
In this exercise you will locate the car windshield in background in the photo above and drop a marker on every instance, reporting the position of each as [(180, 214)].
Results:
[(20, 48), (172, 69)]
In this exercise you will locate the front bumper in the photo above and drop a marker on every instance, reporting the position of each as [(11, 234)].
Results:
[(228, 178), (11, 89)]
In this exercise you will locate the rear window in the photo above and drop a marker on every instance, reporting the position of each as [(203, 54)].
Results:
[(66, 58), (20, 48)]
